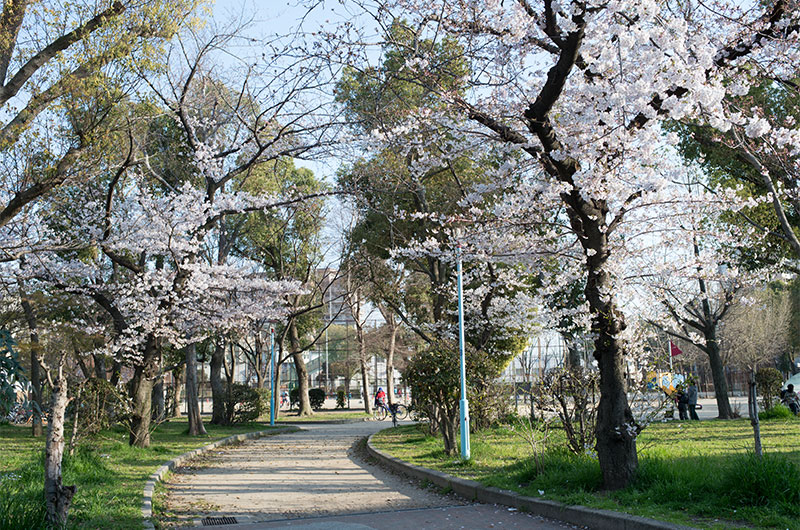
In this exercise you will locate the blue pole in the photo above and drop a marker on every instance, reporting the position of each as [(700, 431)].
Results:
[(464, 413), (272, 375)]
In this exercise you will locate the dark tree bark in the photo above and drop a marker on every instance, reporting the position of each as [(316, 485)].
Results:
[(177, 378), (159, 405), (36, 380), (196, 427), (718, 376), (218, 416), (304, 408), (57, 496), (752, 408), (141, 391)]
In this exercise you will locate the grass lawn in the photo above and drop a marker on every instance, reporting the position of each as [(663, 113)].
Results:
[(695, 473), (109, 474)]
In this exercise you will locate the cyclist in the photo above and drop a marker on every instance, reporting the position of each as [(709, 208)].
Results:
[(380, 398)]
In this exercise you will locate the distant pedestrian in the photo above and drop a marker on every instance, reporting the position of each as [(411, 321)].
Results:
[(683, 403), (691, 396)]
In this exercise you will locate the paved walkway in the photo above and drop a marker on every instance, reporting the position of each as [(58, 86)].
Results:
[(313, 479)]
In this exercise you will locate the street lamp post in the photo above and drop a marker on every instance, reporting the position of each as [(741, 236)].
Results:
[(272, 377), (464, 413)]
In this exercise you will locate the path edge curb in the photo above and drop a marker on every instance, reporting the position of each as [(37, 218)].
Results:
[(474, 491), (155, 478)]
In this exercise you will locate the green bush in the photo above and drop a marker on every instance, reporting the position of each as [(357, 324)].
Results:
[(243, 404), (294, 397), (317, 398), (769, 381), (340, 399), (775, 413)]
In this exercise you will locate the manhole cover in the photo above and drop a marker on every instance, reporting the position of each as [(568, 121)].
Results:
[(216, 521)]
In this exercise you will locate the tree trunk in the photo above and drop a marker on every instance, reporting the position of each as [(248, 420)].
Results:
[(159, 406), (57, 496), (573, 358), (196, 427), (217, 386), (36, 380), (304, 408), (362, 358), (141, 391), (390, 364), (177, 376), (616, 428), (718, 375), (752, 408), (100, 367)]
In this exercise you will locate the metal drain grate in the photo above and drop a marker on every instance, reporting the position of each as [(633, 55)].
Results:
[(217, 521)]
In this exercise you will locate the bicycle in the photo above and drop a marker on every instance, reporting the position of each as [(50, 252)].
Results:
[(382, 411)]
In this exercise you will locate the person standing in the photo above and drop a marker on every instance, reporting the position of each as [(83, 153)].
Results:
[(683, 403), (691, 396)]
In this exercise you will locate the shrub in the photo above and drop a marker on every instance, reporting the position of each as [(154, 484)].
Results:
[(777, 412), (99, 406), (434, 378), (294, 397), (769, 381), (340, 399), (243, 404), (573, 395), (317, 398)]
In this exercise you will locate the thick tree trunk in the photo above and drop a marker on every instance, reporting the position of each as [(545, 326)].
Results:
[(217, 385), (304, 407), (616, 428), (752, 408), (141, 391), (196, 427), (57, 496), (718, 375), (100, 367)]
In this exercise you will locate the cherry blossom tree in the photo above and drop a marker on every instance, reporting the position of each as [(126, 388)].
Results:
[(583, 89)]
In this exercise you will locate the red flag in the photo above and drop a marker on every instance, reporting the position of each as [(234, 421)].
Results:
[(674, 350)]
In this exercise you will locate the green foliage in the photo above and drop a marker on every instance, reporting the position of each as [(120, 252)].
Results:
[(317, 398), (769, 480), (294, 397), (21, 510), (769, 381), (776, 412), (340, 399), (10, 373), (243, 404), (434, 378), (99, 406)]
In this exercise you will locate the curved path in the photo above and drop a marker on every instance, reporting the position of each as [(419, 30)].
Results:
[(314, 478)]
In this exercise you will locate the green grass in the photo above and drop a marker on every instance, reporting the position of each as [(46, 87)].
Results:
[(695, 473), (110, 475)]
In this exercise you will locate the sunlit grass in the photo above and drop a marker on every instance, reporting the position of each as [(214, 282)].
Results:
[(695, 473), (110, 475)]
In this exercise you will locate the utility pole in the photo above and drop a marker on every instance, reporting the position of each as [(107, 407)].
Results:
[(465, 452)]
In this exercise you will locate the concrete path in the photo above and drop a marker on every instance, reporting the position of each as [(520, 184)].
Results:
[(316, 479)]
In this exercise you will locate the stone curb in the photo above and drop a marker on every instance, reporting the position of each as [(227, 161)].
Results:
[(150, 485), (474, 491)]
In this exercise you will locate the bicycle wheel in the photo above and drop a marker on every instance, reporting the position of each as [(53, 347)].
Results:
[(402, 412), (379, 413)]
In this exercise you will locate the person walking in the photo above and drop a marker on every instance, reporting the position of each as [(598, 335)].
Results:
[(683, 403), (691, 397)]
